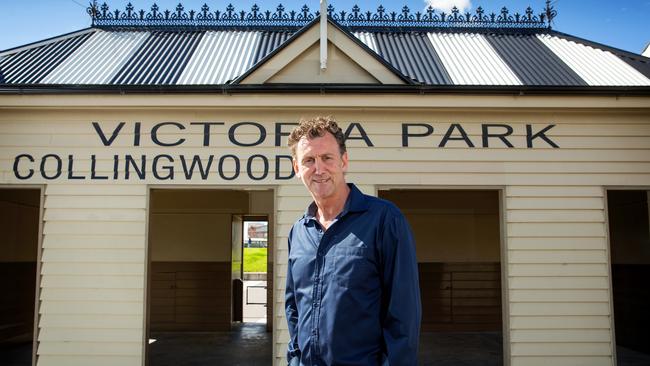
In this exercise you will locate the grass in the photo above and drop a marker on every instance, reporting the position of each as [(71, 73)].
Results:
[(255, 259)]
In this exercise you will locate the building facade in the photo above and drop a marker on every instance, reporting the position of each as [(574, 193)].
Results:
[(504, 145)]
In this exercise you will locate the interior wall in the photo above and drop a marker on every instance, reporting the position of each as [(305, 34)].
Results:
[(629, 228), (19, 222), (451, 226), (458, 249), (19, 210), (190, 237)]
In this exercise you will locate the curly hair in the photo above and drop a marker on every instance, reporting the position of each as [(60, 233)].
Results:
[(316, 127)]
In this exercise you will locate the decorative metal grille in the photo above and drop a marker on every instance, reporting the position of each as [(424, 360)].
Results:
[(102, 16)]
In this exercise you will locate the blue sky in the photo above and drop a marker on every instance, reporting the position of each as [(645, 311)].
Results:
[(621, 24)]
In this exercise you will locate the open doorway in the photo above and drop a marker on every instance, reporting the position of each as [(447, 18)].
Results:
[(629, 240), (255, 247), (196, 293), (458, 246), (19, 225)]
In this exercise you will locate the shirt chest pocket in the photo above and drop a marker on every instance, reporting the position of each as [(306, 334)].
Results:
[(353, 267)]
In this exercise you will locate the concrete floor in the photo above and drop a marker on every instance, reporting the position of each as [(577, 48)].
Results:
[(16, 354), (246, 344), (250, 344), (460, 349), (628, 357)]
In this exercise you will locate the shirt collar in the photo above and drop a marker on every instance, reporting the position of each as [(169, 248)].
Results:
[(355, 202)]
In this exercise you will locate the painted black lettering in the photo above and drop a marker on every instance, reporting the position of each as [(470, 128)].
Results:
[(116, 161), (406, 134), (154, 134), (129, 161), (279, 134), (249, 167), (93, 169), (278, 167), (30, 172), (363, 135), (136, 134), (206, 130), (233, 129), (463, 135), (168, 168), (237, 167), (102, 135), (196, 160), (541, 134), (71, 169), (59, 164), (501, 136)]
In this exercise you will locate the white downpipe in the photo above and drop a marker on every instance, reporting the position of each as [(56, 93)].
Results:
[(323, 34)]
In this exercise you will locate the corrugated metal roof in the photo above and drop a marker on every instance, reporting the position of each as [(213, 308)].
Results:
[(32, 65), (99, 59), (597, 67), (532, 62), (368, 39), (414, 55), (640, 63), (270, 41), (221, 56), (214, 57), (160, 60), (470, 60)]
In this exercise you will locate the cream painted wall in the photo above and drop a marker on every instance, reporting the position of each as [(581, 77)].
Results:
[(555, 250), (340, 68)]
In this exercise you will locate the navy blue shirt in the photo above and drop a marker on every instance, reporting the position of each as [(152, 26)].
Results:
[(352, 295)]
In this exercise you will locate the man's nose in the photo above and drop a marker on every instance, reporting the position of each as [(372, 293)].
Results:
[(318, 165)]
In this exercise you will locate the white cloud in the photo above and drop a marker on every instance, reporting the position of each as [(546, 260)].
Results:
[(447, 5)]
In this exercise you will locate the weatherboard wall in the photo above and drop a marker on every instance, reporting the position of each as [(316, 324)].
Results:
[(554, 248)]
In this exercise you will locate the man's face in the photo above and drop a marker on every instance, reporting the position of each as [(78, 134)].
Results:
[(320, 165)]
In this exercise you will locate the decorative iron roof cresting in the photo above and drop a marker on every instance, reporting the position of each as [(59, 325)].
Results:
[(103, 17)]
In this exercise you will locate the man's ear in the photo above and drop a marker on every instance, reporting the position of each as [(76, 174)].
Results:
[(296, 169), (344, 162)]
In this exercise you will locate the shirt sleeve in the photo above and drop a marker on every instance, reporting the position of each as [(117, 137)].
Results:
[(401, 308), (292, 312)]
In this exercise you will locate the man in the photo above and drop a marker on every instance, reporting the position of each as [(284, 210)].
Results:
[(352, 295)]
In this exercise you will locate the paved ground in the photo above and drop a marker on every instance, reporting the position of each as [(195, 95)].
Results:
[(247, 344), (250, 344), (628, 357), (461, 349), (16, 354), (254, 348)]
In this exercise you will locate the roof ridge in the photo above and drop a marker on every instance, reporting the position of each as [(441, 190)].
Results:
[(102, 16)]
